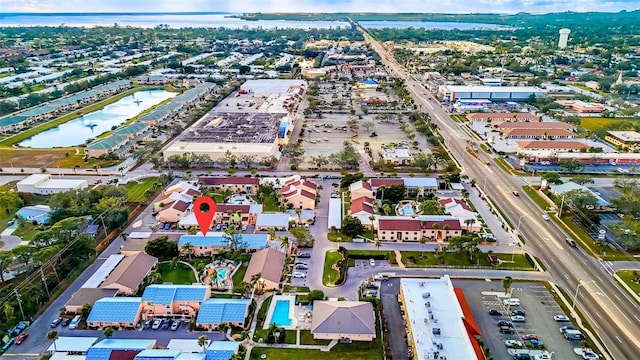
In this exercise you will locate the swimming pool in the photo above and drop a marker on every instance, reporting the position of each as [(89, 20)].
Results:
[(281, 313), (407, 210), (221, 274)]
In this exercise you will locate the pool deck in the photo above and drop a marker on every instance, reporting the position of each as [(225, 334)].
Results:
[(300, 315)]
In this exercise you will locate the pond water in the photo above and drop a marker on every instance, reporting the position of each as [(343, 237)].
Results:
[(77, 131)]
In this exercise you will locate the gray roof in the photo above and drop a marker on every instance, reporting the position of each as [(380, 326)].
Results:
[(268, 263), (343, 317), (131, 271), (89, 296)]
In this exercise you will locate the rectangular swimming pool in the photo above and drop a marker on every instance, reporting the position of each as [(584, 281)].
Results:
[(281, 313)]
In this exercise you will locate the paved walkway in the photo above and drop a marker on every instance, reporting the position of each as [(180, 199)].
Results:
[(399, 259)]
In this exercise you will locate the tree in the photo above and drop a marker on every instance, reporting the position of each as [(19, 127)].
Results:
[(552, 178), (431, 207), (202, 341), (315, 295), (423, 241), (320, 160), (582, 179), (24, 253), (351, 226), (302, 235), (187, 248), (108, 332), (247, 160), (377, 243), (53, 335), (6, 258), (396, 192), (506, 283), (86, 310), (10, 200), (572, 165), (230, 158), (234, 238), (580, 199), (162, 248), (285, 244)]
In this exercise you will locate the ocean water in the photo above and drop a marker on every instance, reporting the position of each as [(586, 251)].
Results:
[(431, 25)]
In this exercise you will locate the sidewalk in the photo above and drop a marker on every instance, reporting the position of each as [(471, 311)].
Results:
[(491, 219)]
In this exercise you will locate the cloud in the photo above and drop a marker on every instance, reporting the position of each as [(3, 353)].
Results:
[(440, 6)]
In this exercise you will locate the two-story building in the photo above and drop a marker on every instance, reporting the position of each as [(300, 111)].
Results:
[(169, 300)]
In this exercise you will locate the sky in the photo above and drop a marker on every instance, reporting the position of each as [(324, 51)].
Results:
[(240, 6)]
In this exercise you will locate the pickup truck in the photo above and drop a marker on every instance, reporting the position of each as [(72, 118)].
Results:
[(380, 277)]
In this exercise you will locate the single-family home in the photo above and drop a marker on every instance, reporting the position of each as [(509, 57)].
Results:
[(335, 320), (168, 300), (360, 189), (216, 311), (215, 242), (129, 274), (362, 206), (38, 214), (233, 184), (298, 198), (173, 211), (118, 311), (269, 263), (384, 183)]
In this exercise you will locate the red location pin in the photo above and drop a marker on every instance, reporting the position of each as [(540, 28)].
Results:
[(204, 218)]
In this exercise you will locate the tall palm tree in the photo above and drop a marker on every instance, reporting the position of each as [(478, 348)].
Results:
[(423, 240), (187, 248), (285, 243), (53, 335), (214, 276), (272, 233), (372, 219), (469, 222), (377, 244), (202, 341)]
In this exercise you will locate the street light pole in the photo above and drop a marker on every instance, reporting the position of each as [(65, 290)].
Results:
[(519, 220), (19, 302), (575, 296)]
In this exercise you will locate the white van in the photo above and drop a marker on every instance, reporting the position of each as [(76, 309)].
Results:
[(511, 302), (74, 322)]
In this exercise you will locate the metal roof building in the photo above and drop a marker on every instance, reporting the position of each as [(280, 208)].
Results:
[(214, 311)]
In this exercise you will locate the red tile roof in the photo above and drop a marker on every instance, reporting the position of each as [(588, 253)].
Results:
[(212, 181), (180, 205), (538, 132), (517, 116), (225, 208), (548, 144), (385, 182), (399, 225), (362, 204), (537, 125), (445, 201), (469, 323)]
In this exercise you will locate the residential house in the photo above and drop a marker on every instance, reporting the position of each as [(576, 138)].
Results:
[(129, 274), (38, 214), (394, 229), (360, 189), (215, 242), (420, 186), (459, 209), (226, 213), (215, 350), (299, 194), (86, 296), (362, 206), (233, 184), (119, 311), (183, 188), (174, 211), (229, 311), (166, 300), (269, 263), (278, 221), (335, 320)]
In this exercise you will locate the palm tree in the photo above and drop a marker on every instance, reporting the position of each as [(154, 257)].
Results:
[(108, 332), (372, 219), (469, 222), (285, 243), (377, 244), (381, 190), (506, 283), (202, 341), (214, 276), (53, 335), (272, 233), (187, 248), (423, 240)]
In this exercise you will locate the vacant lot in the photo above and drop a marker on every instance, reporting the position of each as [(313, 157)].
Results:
[(595, 123), (136, 190)]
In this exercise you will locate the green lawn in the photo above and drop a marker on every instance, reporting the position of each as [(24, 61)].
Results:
[(330, 276), (26, 231), (595, 123), (420, 259), (270, 204), (338, 237), (627, 276), (239, 275), (307, 339), (182, 274), (502, 163), (136, 190)]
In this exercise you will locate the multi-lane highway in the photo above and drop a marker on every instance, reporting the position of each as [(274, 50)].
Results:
[(610, 311)]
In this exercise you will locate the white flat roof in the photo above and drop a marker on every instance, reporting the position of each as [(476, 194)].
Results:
[(335, 213), (139, 235), (103, 271), (62, 184), (479, 88), (185, 345), (33, 179), (432, 304), (625, 135), (73, 343)]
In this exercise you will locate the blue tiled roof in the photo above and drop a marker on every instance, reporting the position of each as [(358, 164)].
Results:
[(215, 311), (115, 309), (250, 241), (221, 350), (191, 356), (219, 354), (165, 293), (125, 344), (98, 354), (157, 354)]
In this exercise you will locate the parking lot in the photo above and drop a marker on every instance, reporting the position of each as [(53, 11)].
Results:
[(539, 306)]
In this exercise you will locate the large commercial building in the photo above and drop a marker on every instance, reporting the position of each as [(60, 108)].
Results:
[(255, 121), (439, 322), (451, 93), (44, 184)]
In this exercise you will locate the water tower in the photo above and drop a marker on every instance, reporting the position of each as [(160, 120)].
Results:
[(564, 38)]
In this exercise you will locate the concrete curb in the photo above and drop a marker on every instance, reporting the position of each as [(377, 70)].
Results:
[(626, 287)]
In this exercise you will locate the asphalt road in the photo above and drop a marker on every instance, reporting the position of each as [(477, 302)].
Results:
[(603, 303)]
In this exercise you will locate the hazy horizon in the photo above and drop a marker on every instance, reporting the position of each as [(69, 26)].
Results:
[(316, 6)]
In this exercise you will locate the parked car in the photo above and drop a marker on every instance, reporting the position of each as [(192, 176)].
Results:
[(56, 322), (20, 338), (561, 318), (529, 337), (590, 355), (518, 312), (521, 357), (518, 318), (156, 324), (65, 322), (380, 277), (513, 344), (298, 274), (511, 302), (165, 324), (370, 293), (507, 330), (371, 285), (244, 227), (218, 227), (304, 255), (542, 357), (372, 262), (302, 267), (146, 324), (494, 312), (505, 323), (175, 325), (533, 343)]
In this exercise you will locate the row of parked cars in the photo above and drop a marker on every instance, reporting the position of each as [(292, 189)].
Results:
[(163, 324)]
